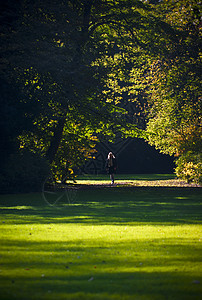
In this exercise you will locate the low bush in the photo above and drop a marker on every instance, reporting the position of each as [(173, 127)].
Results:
[(189, 167)]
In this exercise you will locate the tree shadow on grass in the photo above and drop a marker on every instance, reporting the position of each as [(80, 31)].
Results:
[(66, 268), (95, 267), (107, 206), (127, 285)]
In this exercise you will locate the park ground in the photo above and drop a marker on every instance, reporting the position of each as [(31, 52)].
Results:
[(139, 239)]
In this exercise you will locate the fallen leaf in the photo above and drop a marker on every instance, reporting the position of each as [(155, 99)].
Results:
[(90, 279)]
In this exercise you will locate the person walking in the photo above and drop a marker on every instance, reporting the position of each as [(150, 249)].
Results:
[(111, 165)]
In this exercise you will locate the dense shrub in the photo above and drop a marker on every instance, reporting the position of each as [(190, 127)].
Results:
[(24, 172), (189, 167)]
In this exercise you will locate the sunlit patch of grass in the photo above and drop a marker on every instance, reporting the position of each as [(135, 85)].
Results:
[(111, 244), (126, 177), (133, 180)]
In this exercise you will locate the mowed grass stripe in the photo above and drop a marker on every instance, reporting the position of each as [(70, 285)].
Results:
[(109, 244)]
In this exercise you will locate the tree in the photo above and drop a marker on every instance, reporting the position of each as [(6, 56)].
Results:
[(174, 124), (78, 64), (56, 53)]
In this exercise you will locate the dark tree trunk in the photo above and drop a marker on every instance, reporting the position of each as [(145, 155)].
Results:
[(55, 142)]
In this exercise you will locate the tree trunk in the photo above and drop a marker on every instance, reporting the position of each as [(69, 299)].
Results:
[(55, 142)]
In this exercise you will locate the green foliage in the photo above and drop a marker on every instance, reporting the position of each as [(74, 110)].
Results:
[(174, 119), (71, 54), (97, 68), (189, 167), (76, 146)]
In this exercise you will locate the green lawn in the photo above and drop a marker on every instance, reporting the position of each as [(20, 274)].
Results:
[(104, 243), (127, 177)]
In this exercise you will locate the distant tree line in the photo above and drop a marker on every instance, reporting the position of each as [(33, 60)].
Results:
[(69, 69)]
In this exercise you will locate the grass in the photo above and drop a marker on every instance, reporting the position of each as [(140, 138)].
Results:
[(103, 177), (130, 180), (105, 243), (122, 178)]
